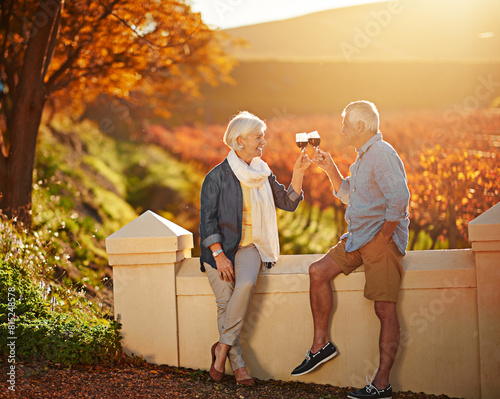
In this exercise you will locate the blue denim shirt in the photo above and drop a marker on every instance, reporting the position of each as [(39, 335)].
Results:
[(375, 191), (222, 210)]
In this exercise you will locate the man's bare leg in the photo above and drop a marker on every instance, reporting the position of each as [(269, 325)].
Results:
[(321, 273), (388, 342)]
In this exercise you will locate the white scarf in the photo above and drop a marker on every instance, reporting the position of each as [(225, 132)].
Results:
[(264, 223)]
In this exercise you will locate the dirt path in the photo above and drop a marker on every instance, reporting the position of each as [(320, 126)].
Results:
[(150, 381)]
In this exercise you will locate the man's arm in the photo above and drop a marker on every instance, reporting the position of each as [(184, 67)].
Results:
[(388, 229), (324, 161), (391, 178)]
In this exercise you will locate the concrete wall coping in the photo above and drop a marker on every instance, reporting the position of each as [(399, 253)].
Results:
[(414, 260), (423, 270), (149, 233), (486, 227)]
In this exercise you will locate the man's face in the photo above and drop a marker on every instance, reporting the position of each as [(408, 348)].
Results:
[(350, 131)]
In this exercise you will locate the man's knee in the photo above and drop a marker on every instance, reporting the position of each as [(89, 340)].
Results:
[(385, 310), (323, 269)]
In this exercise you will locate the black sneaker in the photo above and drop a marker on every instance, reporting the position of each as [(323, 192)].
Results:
[(313, 360), (371, 391)]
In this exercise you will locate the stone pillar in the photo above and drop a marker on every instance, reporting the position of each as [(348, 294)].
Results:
[(144, 255), (484, 234)]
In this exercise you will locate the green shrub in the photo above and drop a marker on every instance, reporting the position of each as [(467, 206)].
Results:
[(62, 339), (44, 321)]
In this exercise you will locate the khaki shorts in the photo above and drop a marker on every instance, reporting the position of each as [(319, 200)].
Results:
[(383, 268)]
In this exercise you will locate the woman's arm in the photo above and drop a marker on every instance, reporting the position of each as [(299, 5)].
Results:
[(224, 264), (209, 225), (299, 169), (288, 200)]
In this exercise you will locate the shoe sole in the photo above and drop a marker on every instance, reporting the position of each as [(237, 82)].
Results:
[(319, 364)]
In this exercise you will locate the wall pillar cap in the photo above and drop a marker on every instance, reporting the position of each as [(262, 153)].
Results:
[(149, 233), (486, 227)]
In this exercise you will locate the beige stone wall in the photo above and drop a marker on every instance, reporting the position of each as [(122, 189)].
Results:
[(484, 233), (449, 312), (438, 316)]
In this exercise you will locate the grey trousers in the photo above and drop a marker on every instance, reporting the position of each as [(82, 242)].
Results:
[(233, 299)]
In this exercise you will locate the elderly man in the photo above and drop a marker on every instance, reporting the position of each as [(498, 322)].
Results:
[(376, 194)]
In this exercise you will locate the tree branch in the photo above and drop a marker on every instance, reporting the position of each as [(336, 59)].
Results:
[(67, 64), (5, 17), (145, 39), (52, 41)]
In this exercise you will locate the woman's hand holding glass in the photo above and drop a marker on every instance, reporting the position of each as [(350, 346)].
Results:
[(302, 163)]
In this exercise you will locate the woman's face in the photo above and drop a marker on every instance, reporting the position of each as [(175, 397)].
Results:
[(252, 146)]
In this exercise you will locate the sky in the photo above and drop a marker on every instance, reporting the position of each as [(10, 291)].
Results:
[(232, 13)]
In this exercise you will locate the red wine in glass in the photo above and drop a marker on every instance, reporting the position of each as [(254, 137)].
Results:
[(314, 139), (301, 140)]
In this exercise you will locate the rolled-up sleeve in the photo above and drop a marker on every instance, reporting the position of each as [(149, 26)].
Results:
[(293, 195), (286, 199), (211, 240), (344, 191)]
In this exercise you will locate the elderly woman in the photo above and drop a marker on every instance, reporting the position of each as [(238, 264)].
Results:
[(239, 232)]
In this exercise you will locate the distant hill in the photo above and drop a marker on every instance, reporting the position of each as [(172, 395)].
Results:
[(278, 89), (401, 54), (406, 30)]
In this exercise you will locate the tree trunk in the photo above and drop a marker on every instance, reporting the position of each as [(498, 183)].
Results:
[(16, 169)]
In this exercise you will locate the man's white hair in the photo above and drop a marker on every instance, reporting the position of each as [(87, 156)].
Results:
[(363, 111)]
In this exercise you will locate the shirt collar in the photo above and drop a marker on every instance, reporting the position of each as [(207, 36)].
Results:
[(369, 143)]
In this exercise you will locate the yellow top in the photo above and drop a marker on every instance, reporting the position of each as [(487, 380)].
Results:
[(246, 228)]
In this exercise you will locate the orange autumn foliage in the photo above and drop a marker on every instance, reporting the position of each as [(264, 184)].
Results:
[(132, 50), (453, 170), (66, 54)]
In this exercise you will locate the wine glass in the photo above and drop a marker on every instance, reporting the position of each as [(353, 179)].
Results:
[(314, 139), (301, 141)]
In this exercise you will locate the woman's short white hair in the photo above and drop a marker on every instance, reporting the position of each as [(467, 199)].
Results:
[(242, 125), (363, 111)]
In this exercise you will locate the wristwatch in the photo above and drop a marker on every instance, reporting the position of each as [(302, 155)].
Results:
[(215, 253)]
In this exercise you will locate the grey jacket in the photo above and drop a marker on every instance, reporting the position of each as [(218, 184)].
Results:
[(222, 210)]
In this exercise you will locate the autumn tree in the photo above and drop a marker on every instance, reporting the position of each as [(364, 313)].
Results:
[(69, 53)]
